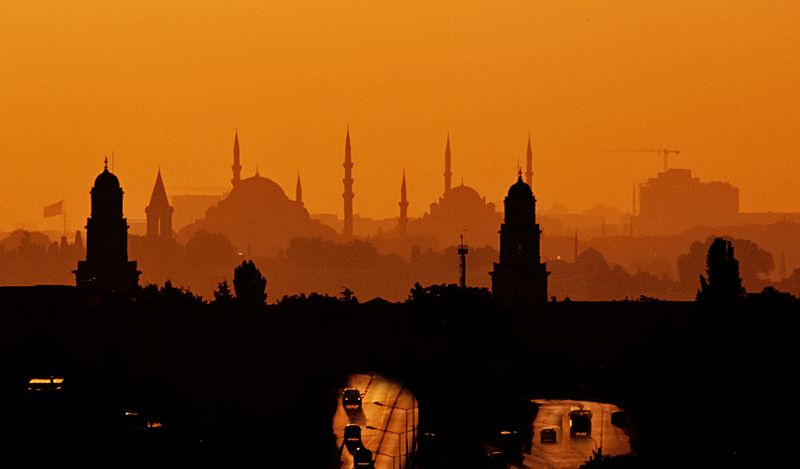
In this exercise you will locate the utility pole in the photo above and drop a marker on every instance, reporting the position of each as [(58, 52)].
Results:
[(463, 250)]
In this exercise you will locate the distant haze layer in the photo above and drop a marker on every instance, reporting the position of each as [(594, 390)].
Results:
[(165, 84)]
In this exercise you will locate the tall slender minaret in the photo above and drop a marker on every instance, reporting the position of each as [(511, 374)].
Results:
[(298, 191), (448, 174), (236, 167), (402, 222), (529, 158), (348, 188)]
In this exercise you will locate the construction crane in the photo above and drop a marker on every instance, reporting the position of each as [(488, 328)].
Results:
[(661, 151)]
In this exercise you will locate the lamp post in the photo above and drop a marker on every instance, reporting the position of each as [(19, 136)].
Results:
[(403, 434), (413, 409)]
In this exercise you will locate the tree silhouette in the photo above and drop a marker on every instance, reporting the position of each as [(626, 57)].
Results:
[(756, 263), (223, 294), (348, 296), (250, 286), (723, 281)]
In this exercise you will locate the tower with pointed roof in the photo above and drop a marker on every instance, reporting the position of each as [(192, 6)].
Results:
[(236, 167), (448, 173), (159, 211), (520, 278), (402, 222), (107, 268), (298, 191), (529, 163), (348, 195)]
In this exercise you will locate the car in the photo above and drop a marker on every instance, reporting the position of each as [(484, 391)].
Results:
[(580, 422), (496, 459), (362, 458), (351, 399), (510, 443), (548, 435), (352, 437), (136, 420), (46, 384)]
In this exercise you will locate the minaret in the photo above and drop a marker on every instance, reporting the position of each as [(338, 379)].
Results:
[(529, 159), (348, 188), (402, 222), (298, 191), (236, 167), (107, 268), (448, 174), (159, 212)]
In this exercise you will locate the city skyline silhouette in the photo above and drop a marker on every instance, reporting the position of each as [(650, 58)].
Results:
[(400, 234)]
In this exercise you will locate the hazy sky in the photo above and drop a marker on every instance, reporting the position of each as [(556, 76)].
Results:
[(166, 82)]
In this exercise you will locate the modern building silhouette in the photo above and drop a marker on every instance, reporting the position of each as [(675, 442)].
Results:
[(674, 200), (107, 268), (520, 277), (159, 212)]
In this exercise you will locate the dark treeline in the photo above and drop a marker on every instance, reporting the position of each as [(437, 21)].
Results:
[(314, 264), (235, 381)]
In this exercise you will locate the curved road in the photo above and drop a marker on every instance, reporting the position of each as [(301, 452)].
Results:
[(388, 419), (570, 452)]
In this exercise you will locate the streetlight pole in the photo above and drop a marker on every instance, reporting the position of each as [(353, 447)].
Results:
[(413, 430), (602, 424), (399, 444)]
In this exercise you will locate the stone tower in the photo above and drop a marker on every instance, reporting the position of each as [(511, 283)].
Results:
[(520, 277), (107, 268), (159, 212)]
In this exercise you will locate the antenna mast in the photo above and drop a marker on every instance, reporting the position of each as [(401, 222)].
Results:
[(463, 250)]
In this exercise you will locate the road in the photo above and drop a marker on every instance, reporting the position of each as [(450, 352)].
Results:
[(387, 419), (570, 452)]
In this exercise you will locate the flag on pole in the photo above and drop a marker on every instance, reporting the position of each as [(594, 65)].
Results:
[(55, 209)]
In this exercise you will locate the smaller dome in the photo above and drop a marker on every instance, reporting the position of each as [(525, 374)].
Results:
[(520, 189), (106, 180)]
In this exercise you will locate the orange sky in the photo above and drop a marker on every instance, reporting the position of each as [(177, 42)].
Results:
[(165, 83)]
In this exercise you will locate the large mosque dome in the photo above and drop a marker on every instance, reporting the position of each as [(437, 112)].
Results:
[(258, 217)]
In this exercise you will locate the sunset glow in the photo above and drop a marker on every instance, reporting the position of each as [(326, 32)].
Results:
[(164, 84)]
